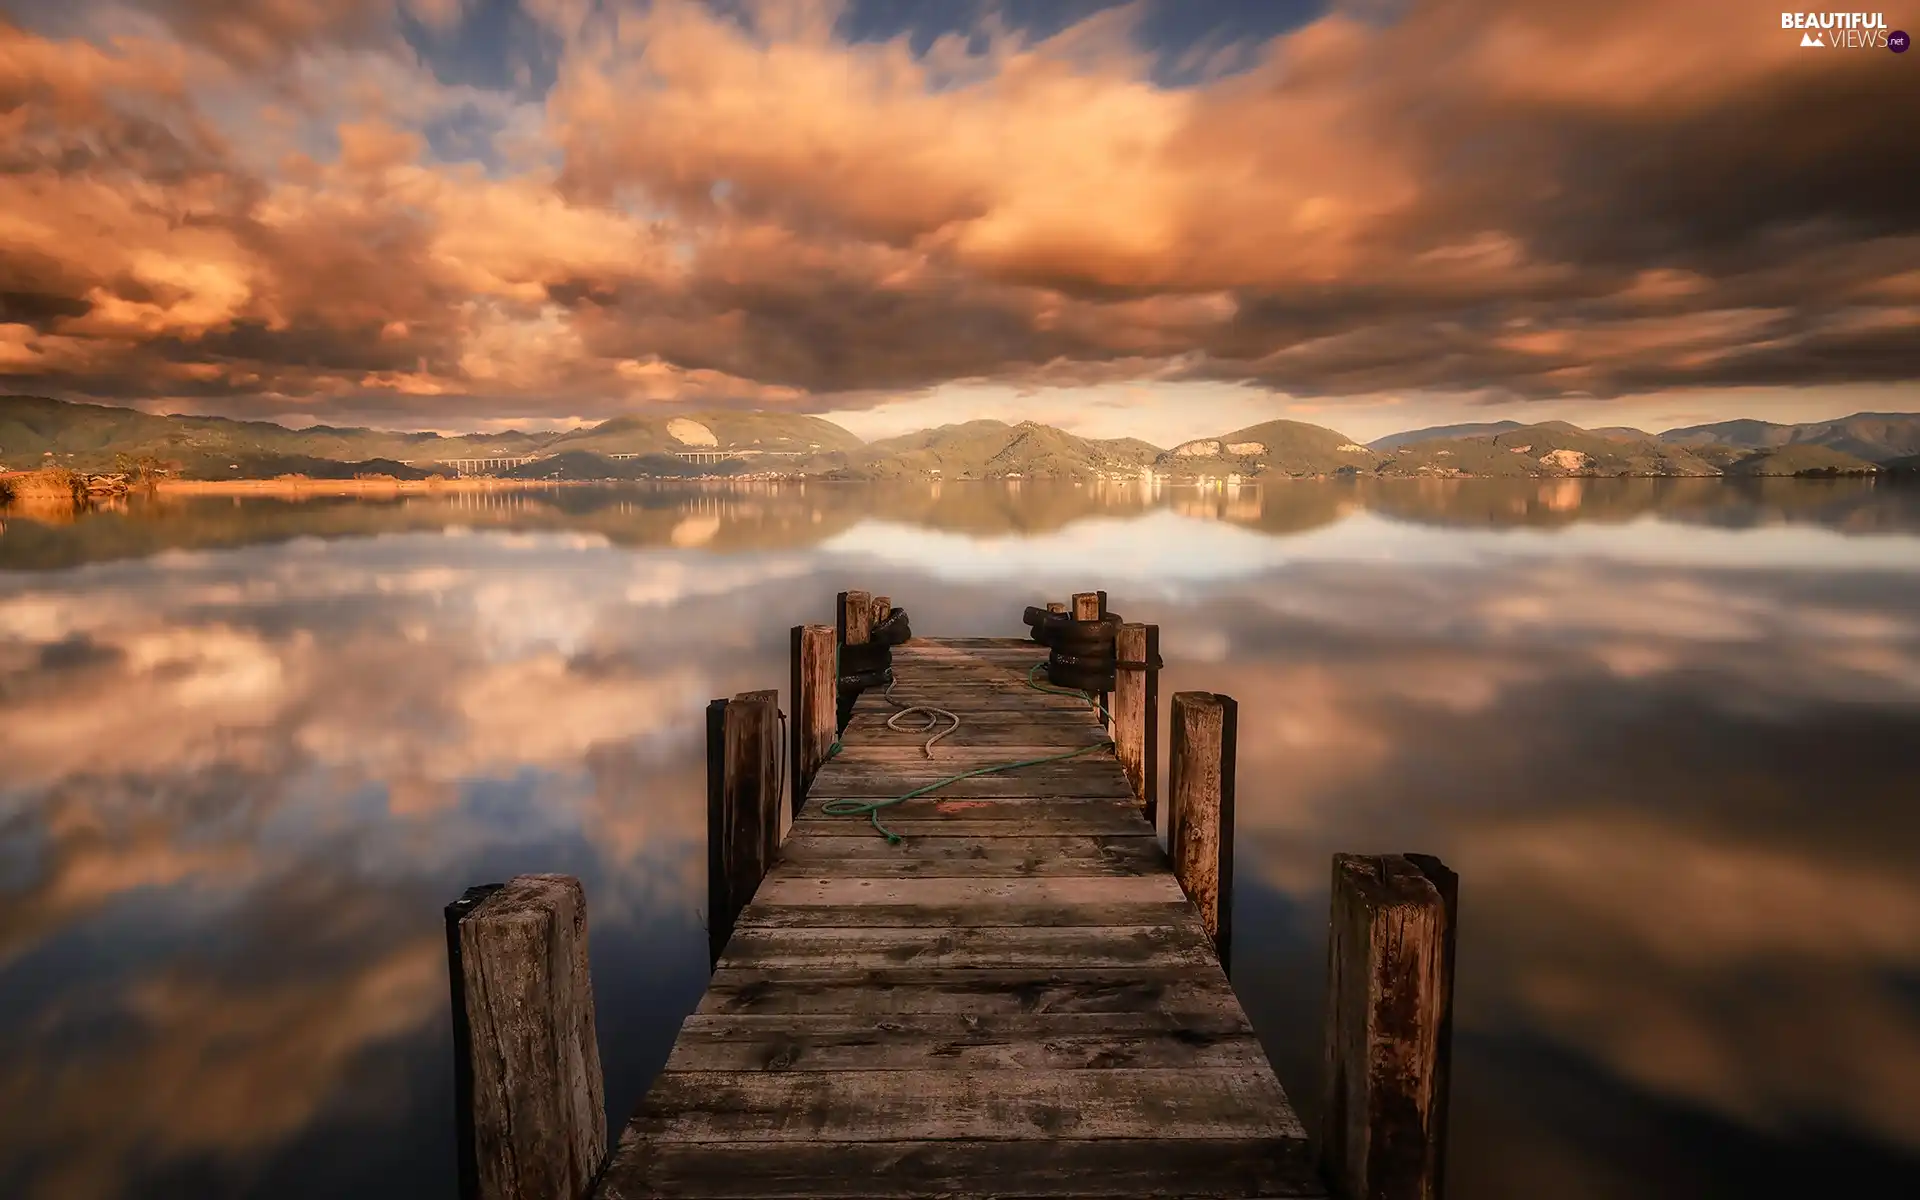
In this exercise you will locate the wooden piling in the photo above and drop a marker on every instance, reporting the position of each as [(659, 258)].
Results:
[(882, 609), (531, 1107), (1389, 1026), (1056, 606), (743, 806), (1087, 605), (812, 699), (1200, 807), (855, 621), (1136, 715)]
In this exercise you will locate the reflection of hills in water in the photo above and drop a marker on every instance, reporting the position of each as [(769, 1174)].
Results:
[(749, 517), (1849, 505)]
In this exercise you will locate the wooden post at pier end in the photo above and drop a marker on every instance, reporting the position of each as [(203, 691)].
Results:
[(813, 698), (1136, 715), (743, 806), (1091, 606), (1389, 1026), (531, 1107), (1056, 606), (855, 620), (1200, 807), (882, 609)]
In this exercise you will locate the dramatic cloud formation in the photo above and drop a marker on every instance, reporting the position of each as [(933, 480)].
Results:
[(443, 211)]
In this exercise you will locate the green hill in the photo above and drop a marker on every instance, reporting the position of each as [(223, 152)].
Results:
[(1875, 437), (766, 432), (34, 430), (996, 450), (1552, 448), (1270, 448), (1408, 437), (1801, 458)]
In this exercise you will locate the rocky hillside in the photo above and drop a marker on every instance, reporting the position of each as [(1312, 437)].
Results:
[(1552, 448), (1292, 448), (1800, 458), (35, 430), (997, 450), (1875, 437), (1408, 437)]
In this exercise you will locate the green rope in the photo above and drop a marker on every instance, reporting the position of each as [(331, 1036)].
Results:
[(871, 808)]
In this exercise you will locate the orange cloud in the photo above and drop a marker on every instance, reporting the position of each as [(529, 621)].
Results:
[(263, 208)]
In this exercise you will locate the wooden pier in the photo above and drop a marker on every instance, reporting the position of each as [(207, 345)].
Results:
[(1002, 988)]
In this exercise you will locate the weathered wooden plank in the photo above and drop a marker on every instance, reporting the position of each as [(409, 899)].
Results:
[(931, 916), (1094, 771), (1148, 1168), (892, 947), (794, 1106), (1098, 819), (721, 1045), (1094, 824), (980, 991), (1136, 714), (813, 848), (1011, 697), (867, 734), (871, 716), (1200, 807), (911, 750), (1075, 815), (743, 819), (813, 696), (855, 618), (533, 1119), (844, 888), (1388, 1025), (981, 858)]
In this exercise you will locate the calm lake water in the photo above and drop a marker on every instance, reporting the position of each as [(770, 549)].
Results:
[(1668, 732)]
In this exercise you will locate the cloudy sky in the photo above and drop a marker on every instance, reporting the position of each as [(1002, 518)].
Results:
[(1160, 218)]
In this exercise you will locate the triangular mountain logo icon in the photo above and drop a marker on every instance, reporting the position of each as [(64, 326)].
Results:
[(1811, 39)]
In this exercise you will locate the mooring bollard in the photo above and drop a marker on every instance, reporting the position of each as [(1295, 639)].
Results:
[(814, 698), (1389, 1026), (743, 806), (1200, 807), (530, 1103), (1136, 713)]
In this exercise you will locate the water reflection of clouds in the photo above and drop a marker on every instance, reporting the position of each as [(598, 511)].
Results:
[(1677, 799), (1163, 549), (238, 734), (1671, 762)]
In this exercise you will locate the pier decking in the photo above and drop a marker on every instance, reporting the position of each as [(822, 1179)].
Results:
[(1019, 999)]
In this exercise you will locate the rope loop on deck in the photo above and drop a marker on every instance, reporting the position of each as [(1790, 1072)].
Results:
[(871, 808)]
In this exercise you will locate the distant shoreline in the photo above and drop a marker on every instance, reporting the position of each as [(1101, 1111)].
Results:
[(341, 487)]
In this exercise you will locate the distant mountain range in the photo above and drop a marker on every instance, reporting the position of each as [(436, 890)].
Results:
[(36, 431)]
